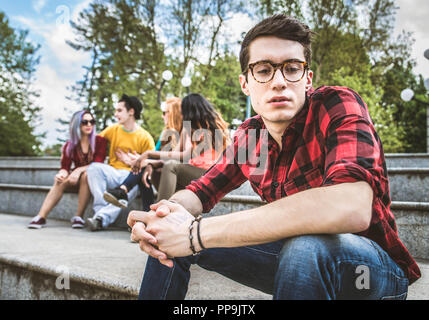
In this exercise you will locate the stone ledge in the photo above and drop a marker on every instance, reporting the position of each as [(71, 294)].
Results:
[(407, 205), (396, 170), (102, 265)]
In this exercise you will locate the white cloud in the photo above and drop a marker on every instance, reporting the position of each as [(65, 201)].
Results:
[(38, 5), (60, 65), (412, 16), (53, 91)]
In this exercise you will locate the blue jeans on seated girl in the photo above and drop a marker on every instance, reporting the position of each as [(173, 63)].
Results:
[(343, 266), (146, 193)]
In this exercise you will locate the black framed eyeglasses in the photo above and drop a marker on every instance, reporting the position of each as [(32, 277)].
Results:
[(87, 122), (292, 70)]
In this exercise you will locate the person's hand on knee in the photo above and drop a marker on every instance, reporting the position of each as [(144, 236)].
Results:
[(61, 176), (147, 241)]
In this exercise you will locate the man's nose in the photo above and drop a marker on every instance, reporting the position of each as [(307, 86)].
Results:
[(278, 82)]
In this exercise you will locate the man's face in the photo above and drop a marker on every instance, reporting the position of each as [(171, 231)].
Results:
[(122, 114), (276, 101)]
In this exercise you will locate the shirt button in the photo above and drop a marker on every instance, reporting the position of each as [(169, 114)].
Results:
[(275, 185)]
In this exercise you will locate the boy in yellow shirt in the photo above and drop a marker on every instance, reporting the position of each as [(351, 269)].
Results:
[(126, 136)]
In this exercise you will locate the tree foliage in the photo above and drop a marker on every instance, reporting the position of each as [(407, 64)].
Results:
[(354, 46), (128, 40), (18, 113), (133, 42)]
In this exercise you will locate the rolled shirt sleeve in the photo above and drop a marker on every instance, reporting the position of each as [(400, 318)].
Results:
[(352, 146), (223, 177)]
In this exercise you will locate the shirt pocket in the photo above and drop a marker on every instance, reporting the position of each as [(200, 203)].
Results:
[(308, 180)]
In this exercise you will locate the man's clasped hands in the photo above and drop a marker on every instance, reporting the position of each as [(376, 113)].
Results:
[(163, 232)]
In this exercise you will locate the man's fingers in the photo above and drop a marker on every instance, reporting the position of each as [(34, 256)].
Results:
[(166, 262), (145, 178), (135, 216), (152, 251), (161, 208), (163, 211), (146, 241), (139, 233)]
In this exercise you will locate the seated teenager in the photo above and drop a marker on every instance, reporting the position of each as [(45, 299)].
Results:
[(82, 148), (169, 140), (126, 136), (203, 138), (327, 231)]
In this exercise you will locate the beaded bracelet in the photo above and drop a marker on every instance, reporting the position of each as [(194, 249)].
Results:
[(197, 219), (198, 235)]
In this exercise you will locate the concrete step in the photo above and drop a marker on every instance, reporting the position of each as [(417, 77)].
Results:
[(30, 161), (43, 175), (406, 184), (409, 184), (58, 262), (396, 160), (407, 160), (99, 265), (412, 218)]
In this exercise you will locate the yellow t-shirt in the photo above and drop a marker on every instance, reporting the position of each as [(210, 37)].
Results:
[(138, 141)]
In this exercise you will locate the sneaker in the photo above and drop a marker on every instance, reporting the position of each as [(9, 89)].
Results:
[(77, 222), (95, 223), (117, 197), (37, 223)]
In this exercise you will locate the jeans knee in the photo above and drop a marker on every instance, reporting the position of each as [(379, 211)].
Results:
[(94, 168), (305, 247), (303, 268), (305, 255)]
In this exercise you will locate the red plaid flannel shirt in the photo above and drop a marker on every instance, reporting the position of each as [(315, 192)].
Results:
[(332, 140)]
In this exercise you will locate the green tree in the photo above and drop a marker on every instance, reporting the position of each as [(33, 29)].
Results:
[(126, 58), (391, 133), (411, 116), (18, 113), (352, 35), (221, 86), (128, 55)]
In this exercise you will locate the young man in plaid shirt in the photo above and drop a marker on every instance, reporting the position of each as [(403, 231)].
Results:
[(327, 231)]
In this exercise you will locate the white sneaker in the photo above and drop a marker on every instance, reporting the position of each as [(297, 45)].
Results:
[(37, 223), (77, 222)]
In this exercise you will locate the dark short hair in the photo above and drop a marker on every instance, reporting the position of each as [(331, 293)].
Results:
[(132, 103), (281, 26)]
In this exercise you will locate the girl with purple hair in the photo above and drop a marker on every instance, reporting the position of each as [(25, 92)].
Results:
[(83, 147)]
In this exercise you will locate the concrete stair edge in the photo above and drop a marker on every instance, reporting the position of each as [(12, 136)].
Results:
[(416, 291), (248, 199), (82, 278)]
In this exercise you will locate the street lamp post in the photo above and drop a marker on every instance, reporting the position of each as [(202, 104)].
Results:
[(426, 54), (186, 82), (167, 75)]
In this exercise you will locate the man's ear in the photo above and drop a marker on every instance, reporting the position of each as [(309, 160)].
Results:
[(309, 80), (131, 112), (244, 84)]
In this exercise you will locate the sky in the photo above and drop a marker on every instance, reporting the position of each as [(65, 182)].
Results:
[(61, 66)]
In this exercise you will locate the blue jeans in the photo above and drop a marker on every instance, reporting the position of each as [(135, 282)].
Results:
[(146, 193), (344, 266), (102, 176)]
